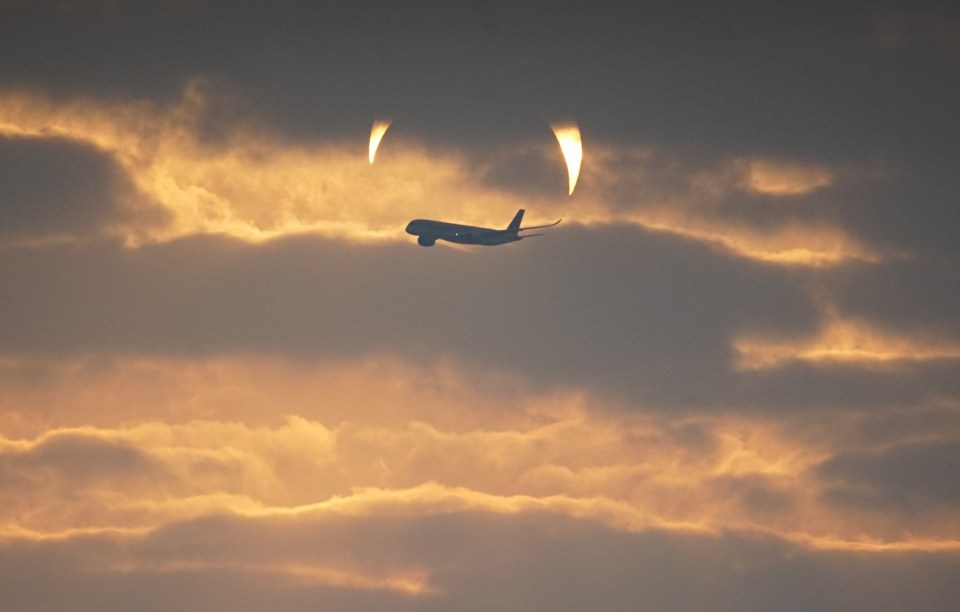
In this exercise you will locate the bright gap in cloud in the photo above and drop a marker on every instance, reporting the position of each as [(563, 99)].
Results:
[(380, 127), (571, 145)]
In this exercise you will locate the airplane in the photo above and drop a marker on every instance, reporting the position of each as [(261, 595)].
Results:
[(428, 232)]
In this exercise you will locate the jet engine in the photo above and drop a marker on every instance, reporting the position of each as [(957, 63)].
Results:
[(426, 240)]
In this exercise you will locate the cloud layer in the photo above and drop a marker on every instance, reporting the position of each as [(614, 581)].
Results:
[(728, 380)]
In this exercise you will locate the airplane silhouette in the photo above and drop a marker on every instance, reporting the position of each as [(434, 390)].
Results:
[(428, 232)]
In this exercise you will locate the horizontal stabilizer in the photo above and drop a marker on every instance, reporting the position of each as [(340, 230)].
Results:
[(523, 229)]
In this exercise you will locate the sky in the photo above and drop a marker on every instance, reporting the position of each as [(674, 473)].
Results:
[(728, 380)]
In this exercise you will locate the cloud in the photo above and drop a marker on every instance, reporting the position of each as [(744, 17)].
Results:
[(551, 560), (62, 189), (610, 309), (565, 314), (913, 477), (914, 293), (714, 76), (255, 186), (392, 440), (780, 179), (759, 208), (847, 341), (251, 184), (905, 30), (80, 458), (228, 380)]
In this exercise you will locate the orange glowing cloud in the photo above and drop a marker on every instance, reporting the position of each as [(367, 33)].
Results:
[(362, 452), (784, 179), (844, 340), (253, 186), (256, 187), (411, 582), (683, 202), (797, 244)]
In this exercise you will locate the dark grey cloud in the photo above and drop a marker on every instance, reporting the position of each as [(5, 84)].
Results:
[(616, 309), (919, 293), (909, 477), (884, 428), (903, 208), (76, 575), (55, 188), (620, 311), (65, 472), (526, 171), (801, 386), (911, 206), (535, 561), (758, 494), (78, 459), (759, 77)]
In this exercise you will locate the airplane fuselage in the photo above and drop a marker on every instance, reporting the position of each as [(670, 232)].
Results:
[(428, 232)]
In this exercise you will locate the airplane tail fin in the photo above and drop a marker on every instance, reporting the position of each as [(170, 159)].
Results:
[(515, 224)]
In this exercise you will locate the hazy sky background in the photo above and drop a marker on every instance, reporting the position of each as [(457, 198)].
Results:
[(729, 380)]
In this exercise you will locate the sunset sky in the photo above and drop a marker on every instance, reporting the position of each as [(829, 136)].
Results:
[(728, 380)]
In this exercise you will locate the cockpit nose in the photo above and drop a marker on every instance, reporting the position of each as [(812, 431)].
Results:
[(412, 226)]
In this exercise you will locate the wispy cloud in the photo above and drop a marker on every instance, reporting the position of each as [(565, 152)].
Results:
[(255, 186), (630, 472), (846, 340)]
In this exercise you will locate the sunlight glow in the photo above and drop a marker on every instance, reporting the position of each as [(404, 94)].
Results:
[(379, 128), (568, 135)]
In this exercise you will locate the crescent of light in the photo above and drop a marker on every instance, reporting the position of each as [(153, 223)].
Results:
[(568, 135), (376, 135)]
